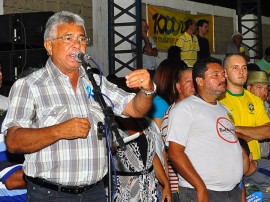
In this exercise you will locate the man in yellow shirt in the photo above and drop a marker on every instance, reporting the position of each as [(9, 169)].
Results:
[(250, 118), (188, 42)]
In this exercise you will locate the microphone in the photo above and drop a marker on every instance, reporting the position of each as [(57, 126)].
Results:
[(82, 57)]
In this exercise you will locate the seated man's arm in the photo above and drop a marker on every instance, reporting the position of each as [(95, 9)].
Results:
[(16, 180), (12, 175), (184, 167)]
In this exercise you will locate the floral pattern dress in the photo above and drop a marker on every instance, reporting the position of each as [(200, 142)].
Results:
[(135, 180)]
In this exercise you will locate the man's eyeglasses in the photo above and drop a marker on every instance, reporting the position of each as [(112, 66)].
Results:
[(70, 38)]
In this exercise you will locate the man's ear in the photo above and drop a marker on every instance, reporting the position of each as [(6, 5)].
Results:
[(177, 86), (248, 87), (226, 75), (48, 47), (199, 81)]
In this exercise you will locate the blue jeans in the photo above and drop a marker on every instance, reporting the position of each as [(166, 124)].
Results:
[(36, 193), (189, 195)]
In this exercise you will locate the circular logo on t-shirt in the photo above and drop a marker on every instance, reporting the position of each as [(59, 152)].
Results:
[(226, 130)]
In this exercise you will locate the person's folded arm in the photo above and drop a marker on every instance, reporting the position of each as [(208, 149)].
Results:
[(29, 140), (256, 133)]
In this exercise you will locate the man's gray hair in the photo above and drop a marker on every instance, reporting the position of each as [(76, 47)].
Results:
[(62, 17)]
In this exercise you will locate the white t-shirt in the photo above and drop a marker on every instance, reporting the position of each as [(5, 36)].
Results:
[(211, 145), (3, 102)]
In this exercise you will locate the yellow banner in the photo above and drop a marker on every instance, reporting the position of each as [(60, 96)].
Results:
[(166, 26)]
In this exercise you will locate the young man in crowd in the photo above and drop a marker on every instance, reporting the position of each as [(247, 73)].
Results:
[(250, 118), (203, 26), (188, 42)]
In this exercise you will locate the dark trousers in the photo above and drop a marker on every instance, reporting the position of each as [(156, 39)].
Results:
[(36, 193), (190, 195), (175, 197)]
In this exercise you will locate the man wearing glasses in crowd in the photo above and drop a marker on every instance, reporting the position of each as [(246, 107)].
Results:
[(54, 123)]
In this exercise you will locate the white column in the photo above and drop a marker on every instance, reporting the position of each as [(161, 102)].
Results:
[(1, 7), (99, 49)]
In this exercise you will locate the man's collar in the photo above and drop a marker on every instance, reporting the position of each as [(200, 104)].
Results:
[(55, 72), (241, 94)]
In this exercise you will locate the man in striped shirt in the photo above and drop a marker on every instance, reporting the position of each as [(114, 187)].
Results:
[(185, 88), (53, 117), (188, 42)]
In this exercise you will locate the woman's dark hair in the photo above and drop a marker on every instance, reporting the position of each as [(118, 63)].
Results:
[(174, 53), (166, 77)]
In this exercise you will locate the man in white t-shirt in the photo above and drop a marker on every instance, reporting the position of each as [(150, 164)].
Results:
[(202, 142)]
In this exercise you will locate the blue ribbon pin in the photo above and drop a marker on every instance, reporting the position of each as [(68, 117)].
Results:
[(90, 92)]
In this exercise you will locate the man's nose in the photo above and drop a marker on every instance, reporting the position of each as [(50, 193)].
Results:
[(241, 70)]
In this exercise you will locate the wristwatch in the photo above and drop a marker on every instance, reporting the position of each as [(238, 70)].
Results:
[(147, 93)]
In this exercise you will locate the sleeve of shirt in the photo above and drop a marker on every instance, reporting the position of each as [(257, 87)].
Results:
[(179, 42), (262, 117), (21, 106), (6, 160), (164, 124), (152, 41), (3, 151), (158, 140), (158, 109), (118, 97), (179, 124), (7, 172)]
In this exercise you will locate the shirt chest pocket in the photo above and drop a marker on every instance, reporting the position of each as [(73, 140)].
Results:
[(53, 115)]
